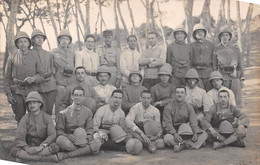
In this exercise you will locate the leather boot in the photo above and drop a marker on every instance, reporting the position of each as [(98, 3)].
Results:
[(25, 156), (178, 148), (152, 147), (240, 143), (231, 139), (218, 145)]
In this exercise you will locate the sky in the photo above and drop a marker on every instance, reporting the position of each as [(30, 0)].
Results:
[(174, 15)]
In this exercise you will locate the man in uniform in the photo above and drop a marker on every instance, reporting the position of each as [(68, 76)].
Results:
[(217, 80), (75, 128), (179, 56), (47, 88), (132, 92), (230, 64), (225, 123), (110, 56), (64, 60), (143, 123), (90, 94), (181, 125), (129, 60), (36, 134), (151, 60), (109, 123), (23, 74), (87, 57)]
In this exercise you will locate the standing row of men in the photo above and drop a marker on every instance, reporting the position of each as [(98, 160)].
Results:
[(86, 83)]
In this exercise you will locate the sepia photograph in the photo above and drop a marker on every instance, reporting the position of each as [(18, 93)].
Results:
[(131, 82)]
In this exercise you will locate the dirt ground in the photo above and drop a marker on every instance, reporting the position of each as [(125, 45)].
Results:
[(226, 156)]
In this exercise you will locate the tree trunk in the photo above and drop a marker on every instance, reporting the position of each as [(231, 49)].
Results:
[(51, 17), (75, 13), (205, 17), (117, 26), (218, 24), (228, 14), (147, 6), (58, 13), (87, 5), (122, 18), (10, 31), (81, 16), (239, 31), (101, 19), (161, 26), (66, 13), (188, 7), (153, 24), (223, 10), (133, 24)]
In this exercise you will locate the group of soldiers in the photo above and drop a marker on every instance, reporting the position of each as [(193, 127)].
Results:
[(108, 99)]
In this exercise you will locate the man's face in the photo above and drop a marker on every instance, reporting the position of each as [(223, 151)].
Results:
[(217, 83), (38, 40), (223, 98), (90, 43), (132, 43), (200, 34), (64, 41), (135, 78), (146, 99), (180, 94), (34, 106), (152, 39), (164, 78), (224, 37), (78, 97), (180, 36), (116, 99), (103, 78), (80, 75), (191, 82), (108, 39), (23, 44)]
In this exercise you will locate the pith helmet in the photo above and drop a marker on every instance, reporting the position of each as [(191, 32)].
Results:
[(151, 128), (135, 71), (38, 32), (166, 69), (134, 146), (198, 27), (64, 32), (80, 137), (224, 29), (179, 29), (103, 69), (185, 129), (215, 75), (226, 127), (19, 35), (33, 96), (117, 134), (192, 73)]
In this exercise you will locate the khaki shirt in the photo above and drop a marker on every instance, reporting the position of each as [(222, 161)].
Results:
[(35, 130)]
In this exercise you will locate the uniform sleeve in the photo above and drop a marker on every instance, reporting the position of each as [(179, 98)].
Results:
[(240, 65), (157, 116), (168, 56), (130, 118), (20, 137), (122, 118), (89, 123), (214, 58), (153, 92), (126, 104), (207, 102), (78, 59), (193, 120), (51, 131), (60, 125), (167, 119), (39, 72), (118, 75), (205, 123), (143, 60), (97, 119), (232, 98), (163, 54), (8, 76), (66, 99), (242, 118), (123, 67)]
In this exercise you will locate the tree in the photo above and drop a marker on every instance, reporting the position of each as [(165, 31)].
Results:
[(52, 18), (116, 25), (188, 7), (205, 17), (121, 17)]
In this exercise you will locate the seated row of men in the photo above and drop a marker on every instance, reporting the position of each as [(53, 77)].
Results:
[(78, 132)]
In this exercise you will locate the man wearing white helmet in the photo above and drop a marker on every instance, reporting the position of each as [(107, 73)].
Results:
[(179, 56), (217, 81), (36, 134), (64, 62), (23, 74), (203, 57), (48, 87), (230, 64)]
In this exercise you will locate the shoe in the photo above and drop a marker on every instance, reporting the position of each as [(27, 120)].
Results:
[(240, 143), (178, 148), (61, 156), (218, 145), (151, 147)]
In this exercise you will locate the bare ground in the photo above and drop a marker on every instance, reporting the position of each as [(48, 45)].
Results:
[(206, 155)]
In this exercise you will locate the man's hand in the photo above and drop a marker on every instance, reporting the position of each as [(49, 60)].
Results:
[(103, 135), (30, 80), (241, 132), (71, 137), (146, 139), (37, 149), (11, 99), (195, 137), (30, 150), (213, 132), (178, 138)]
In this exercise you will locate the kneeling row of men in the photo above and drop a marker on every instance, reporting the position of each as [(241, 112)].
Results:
[(78, 132)]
